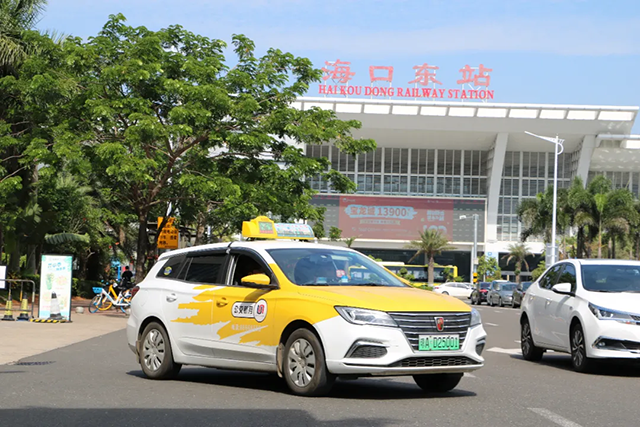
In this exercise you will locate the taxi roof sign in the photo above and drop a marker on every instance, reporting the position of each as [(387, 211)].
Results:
[(263, 228)]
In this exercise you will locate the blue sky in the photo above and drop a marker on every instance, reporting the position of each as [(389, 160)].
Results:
[(540, 51)]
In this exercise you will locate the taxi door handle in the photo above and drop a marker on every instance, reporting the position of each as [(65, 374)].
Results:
[(171, 297), (222, 302)]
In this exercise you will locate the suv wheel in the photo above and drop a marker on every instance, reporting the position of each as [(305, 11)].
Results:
[(437, 383), (529, 350), (156, 358), (579, 359), (305, 370)]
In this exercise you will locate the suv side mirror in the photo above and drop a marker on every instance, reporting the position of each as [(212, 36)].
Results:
[(258, 281), (563, 289)]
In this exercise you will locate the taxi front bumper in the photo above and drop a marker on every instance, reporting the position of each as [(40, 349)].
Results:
[(362, 350)]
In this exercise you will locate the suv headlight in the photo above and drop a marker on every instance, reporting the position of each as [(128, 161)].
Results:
[(475, 317), (361, 316), (607, 314)]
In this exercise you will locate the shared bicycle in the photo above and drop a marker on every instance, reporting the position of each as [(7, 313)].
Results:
[(106, 298)]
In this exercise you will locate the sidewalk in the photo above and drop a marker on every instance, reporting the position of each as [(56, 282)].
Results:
[(24, 339)]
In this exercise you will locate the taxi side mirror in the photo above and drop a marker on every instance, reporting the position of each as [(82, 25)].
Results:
[(258, 281)]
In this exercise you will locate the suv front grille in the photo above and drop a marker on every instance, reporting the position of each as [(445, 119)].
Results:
[(414, 324), (429, 362)]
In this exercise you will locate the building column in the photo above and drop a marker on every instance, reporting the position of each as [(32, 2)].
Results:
[(584, 159), (493, 193)]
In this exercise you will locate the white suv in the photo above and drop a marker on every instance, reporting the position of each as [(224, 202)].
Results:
[(588, 308)]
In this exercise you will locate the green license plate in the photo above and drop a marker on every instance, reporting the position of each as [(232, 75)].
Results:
[(439, 342)]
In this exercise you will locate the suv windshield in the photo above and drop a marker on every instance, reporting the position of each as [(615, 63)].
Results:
[(507, 287), (331, 267), (611, 278)]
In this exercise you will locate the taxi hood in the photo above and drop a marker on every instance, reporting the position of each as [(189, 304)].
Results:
[(386, 298)]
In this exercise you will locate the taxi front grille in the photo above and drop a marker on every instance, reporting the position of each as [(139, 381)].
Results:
[(414, 324), (432, 362)]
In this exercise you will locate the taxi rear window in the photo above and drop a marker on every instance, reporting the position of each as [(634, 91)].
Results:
[(171, 268)]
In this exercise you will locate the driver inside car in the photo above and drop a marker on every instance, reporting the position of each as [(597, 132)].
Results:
[(316, 269)]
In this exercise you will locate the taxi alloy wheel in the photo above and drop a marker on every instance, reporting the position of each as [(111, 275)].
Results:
[(529, 350), (156, 358), (437, 383), (305, 370)]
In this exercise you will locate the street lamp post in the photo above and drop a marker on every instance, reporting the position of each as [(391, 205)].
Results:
[(559, 148), (474, 252)]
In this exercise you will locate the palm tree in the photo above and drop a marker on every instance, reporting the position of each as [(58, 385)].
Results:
[(431, 243), (16, 16), (349, 241), (518, 253)]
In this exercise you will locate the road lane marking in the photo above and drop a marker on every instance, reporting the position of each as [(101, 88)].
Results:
[(491, 324), (466, 374), (511, 351), (552, 416), (518, 341)]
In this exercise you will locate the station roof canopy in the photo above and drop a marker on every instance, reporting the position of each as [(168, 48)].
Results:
[(475, 125)]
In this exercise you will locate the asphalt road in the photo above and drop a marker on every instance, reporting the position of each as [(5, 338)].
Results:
[(98, 383)]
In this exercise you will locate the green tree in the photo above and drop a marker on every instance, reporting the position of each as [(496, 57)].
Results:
[(537, 272), (518, 253), (488, 268), (431, 243), (33, 148), (349, 241), (335, 234), (404, 273), (169, 126), (16, 17)]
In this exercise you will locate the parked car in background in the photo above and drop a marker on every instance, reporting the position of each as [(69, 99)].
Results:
[(454, 289), (501, 293), (519, 293), (479, 293)]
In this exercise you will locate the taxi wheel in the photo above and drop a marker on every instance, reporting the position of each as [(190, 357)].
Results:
[(305, 370), (156, 358), (437, 383)]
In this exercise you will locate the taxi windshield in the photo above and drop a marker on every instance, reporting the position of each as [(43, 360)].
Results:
[(331, 267)]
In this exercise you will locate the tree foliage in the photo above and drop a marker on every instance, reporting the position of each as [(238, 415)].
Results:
[(598, 215), (115, 130), (488, 268)]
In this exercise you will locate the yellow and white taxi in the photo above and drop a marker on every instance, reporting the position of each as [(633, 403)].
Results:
[(306, 311)]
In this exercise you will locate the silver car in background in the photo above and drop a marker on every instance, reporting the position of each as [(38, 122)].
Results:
[(501, 293)]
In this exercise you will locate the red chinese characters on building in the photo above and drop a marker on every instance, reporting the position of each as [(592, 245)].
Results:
[(479, 79), (340, 71), (425, 74), (380, 78)]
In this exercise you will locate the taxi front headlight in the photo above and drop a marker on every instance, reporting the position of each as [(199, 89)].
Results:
[(475, 318), (361, 316)]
